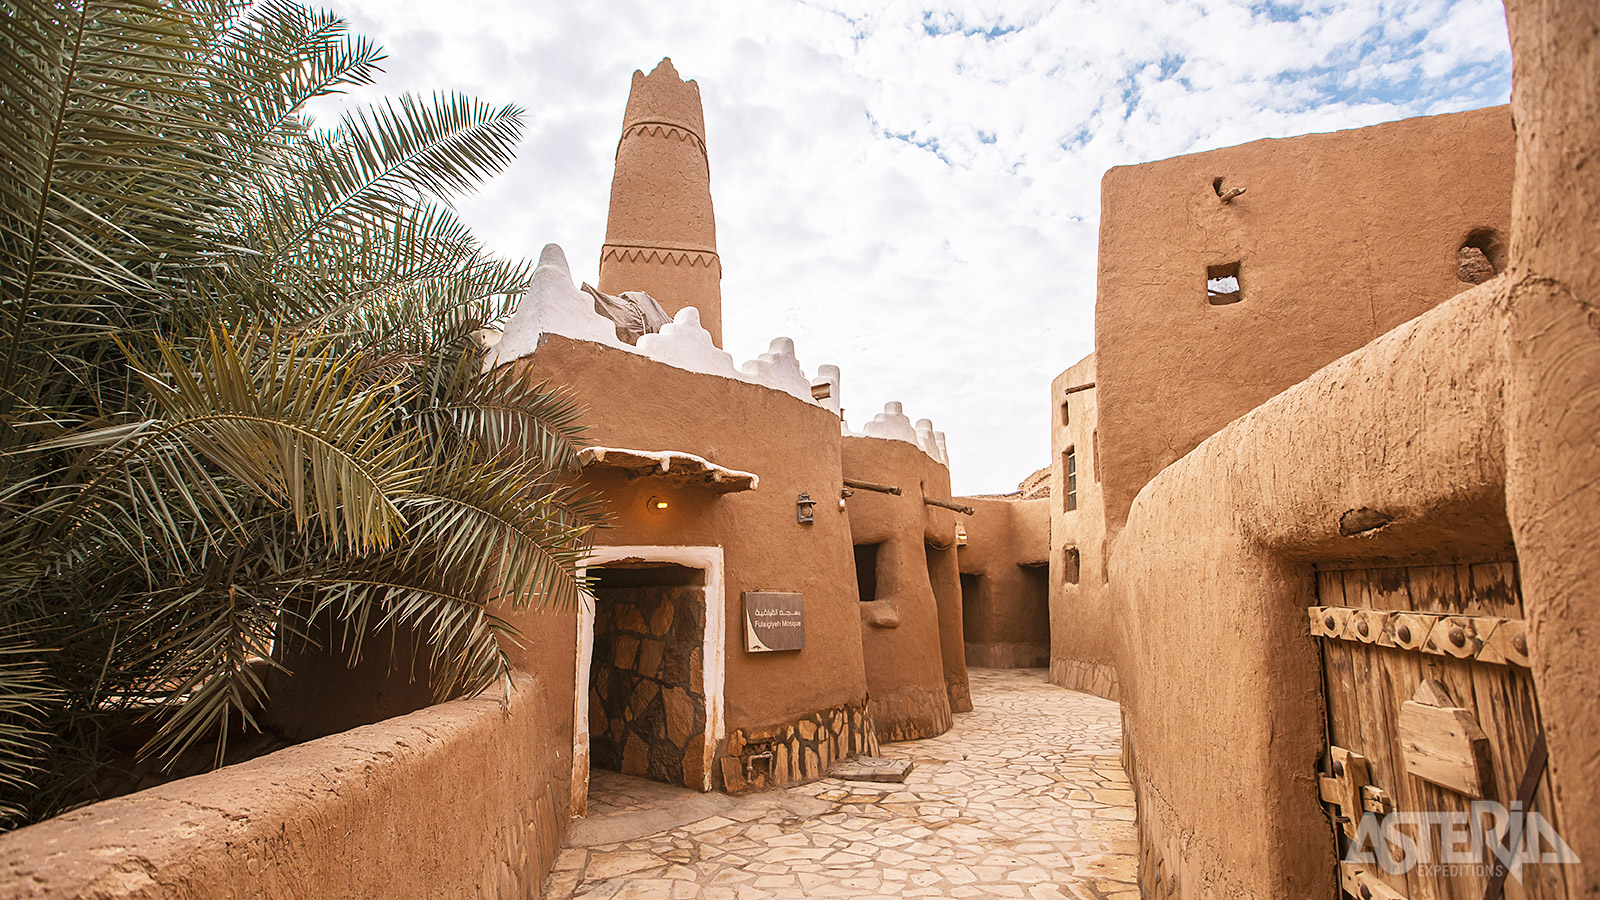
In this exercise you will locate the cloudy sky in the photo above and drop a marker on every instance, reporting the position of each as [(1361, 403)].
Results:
[(910, 190)]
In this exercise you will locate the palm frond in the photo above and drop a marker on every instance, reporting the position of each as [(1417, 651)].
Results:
[(503, 414), (237, 378), (24, 695)]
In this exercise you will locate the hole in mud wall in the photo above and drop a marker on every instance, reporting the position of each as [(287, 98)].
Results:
[(1481, 256), (647, 703), (1066, 413), (1222, 284), (867, 572), (1070, 566)]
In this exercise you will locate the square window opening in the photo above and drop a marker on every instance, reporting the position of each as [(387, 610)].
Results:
[(1222, 284)]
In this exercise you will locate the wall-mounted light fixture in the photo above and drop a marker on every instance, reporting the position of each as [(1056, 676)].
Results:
[(803, 508), (656, 503)]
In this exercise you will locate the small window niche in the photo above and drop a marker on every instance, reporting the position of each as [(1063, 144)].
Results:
[(867, 572), (1069, 565), (1066, 413), (1069, 474), (1222, 284)]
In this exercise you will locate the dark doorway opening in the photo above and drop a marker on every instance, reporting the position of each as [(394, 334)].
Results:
[(647, 701), (1036, 599)]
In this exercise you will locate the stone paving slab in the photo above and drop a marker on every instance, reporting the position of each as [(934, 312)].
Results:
[(872, 768), (1024, 798)]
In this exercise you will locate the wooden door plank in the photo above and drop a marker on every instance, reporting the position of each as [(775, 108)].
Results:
[(1383, 763), (1436, 589), (1493, 590), (1330, 587), (1389, 588), (1510, 718)]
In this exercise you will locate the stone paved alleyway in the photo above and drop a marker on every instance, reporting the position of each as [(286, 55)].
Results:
[(1024, 798)]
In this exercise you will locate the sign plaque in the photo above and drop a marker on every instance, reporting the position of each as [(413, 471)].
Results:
[(774, 620)]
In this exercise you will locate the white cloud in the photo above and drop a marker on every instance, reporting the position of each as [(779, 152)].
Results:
[(956, 276)]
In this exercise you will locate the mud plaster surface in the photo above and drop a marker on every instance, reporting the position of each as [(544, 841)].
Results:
[(1024, 798)]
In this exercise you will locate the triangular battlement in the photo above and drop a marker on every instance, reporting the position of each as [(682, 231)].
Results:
[(664, 97)]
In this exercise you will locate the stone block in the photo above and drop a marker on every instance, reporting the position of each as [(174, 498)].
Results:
[(635, 757), (680, 716), (649, 658), (808, 729), (643, 693), (732, 774), (871, 768), (694, 763), (661, 619), (630, 619), (627, 652)]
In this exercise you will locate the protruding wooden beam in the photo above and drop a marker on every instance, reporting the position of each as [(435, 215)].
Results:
[(948, 504), (1078, 387), (872, 486)]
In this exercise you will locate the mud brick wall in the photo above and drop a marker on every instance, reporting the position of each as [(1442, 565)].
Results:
[(647, 705), (802, 750), (911, 713)]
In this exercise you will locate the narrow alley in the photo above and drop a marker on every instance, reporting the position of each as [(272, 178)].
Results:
[(1024, 798)]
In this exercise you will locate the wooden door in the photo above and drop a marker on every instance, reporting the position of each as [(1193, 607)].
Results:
[(1430, 706)]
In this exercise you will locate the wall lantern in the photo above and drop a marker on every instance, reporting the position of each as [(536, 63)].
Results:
[(656, 503), (803, 507)]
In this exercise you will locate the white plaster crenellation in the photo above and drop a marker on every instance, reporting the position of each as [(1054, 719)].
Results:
[(554, 305), (892, 424), (778, 369), (829, 375), (685, 344), (925, 440)]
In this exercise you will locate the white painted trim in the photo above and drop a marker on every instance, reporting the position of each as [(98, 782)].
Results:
[(580, 706), (713, 650)]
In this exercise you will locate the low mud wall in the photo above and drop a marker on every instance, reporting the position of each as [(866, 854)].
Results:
[(464, 799)]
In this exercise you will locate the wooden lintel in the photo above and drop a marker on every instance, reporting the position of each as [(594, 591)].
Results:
[(949, 504), (872, 486), (1078, 387)]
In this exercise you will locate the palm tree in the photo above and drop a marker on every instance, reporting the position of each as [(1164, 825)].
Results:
[(238, 384)]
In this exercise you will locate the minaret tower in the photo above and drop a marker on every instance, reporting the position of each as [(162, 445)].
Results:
[(661, 236)]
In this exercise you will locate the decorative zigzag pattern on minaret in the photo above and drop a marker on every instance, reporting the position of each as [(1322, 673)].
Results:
[(664, 255), (662, 130)]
